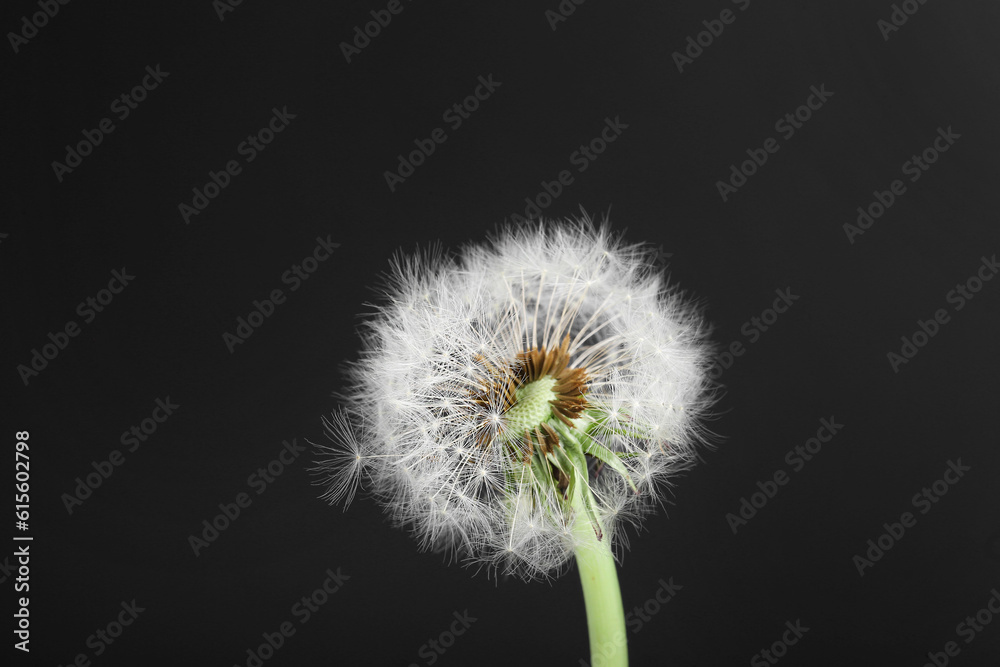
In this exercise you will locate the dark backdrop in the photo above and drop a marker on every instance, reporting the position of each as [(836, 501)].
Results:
[(685, 114)]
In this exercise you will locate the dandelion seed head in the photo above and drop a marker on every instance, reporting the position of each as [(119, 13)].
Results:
[(473, 364)]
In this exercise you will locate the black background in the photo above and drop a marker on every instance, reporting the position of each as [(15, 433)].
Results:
[(324, 176)]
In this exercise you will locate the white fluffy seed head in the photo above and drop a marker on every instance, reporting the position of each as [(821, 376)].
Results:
[(419, 430)]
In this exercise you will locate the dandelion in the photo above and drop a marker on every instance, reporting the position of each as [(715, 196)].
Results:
[(517, 404)]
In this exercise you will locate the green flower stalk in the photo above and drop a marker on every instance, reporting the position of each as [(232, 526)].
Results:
[(601, 595), (519, 403)]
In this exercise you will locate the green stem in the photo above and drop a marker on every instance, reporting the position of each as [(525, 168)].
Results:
[(601, 595)]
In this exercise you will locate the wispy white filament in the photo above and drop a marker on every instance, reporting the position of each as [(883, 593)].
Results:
[(412, 431)]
